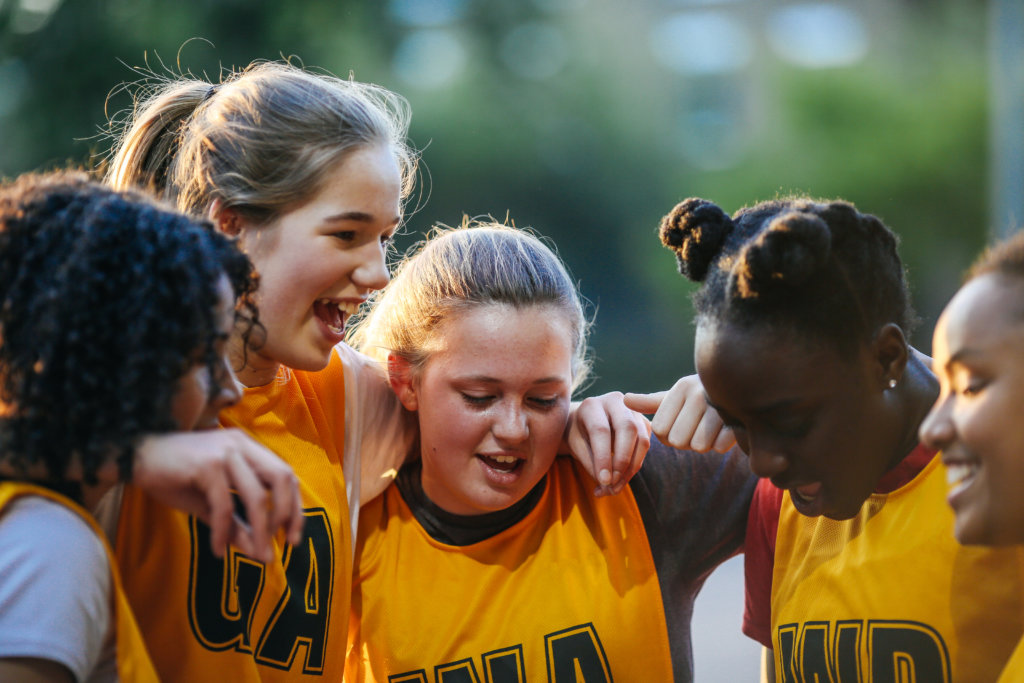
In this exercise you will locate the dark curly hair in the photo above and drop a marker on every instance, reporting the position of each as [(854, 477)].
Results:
[(107, 299), (822, 269)]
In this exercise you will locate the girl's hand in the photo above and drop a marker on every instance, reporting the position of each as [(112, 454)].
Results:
[(682, 417), (608, 439), (197, 472)]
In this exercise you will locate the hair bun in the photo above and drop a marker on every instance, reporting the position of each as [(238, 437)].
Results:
[(695, 230), (793, 247)]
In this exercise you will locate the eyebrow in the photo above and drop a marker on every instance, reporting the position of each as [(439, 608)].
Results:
[(959, 357), (494, 380), (764, 410), (358, 216)]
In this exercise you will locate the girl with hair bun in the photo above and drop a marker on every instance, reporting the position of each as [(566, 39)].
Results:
[(852, 571), (309, 173), (975, 421), (489, 558), (114, 324)]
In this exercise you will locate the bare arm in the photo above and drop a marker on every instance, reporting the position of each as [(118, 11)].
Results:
[(197, 472), (33, 670)]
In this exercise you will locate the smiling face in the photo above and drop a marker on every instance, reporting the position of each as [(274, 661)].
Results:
[(318, 262), (808, 418), (203, 392), (493, 401), (976, 421)]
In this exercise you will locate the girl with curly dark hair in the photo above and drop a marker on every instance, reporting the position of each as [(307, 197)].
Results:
[(114, 322), (802, 322)]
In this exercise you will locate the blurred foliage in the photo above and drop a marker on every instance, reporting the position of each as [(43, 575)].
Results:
[(592, 156)]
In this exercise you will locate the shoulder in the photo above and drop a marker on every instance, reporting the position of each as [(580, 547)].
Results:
[(32, 528), (688, 481), (55, 591), (763, 522), (767, 503)]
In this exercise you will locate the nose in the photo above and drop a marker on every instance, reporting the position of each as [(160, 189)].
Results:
[(228, 390), (937, 431), (372, 270), (766, 461), (510, 425)]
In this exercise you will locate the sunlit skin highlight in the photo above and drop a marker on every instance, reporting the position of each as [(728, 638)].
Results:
[(976, 422), (492, 401)]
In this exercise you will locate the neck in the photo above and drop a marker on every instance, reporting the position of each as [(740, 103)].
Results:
[(256, 370), (91, 495), (917, 392)]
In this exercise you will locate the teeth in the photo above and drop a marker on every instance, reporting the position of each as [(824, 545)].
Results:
[(958, 473), (346, 308), (504, 459)]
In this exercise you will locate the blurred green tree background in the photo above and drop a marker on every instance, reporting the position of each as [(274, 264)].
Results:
[(585, 119)]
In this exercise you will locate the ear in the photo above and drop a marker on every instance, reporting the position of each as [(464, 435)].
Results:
[(891, 352), (400, 377), (227, 220)]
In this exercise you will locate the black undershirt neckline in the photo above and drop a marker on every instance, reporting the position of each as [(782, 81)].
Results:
[(460, 530)]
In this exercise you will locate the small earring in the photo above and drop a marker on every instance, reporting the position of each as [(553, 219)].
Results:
[(892, 384)]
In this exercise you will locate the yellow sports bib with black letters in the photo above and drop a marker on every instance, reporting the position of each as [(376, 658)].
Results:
[(206, 618), (568, 593), (890, 595)]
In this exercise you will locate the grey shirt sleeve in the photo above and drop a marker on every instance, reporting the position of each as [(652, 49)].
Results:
[(694, 507), (55, 585)]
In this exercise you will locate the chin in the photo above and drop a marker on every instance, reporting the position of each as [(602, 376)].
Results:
[(843, 513), (973, 532), (968, 530), (311, 362)]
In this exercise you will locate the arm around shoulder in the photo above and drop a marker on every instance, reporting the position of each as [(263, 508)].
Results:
[(379, 432)]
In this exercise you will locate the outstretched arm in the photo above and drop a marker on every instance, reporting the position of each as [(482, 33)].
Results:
[(199, 473)]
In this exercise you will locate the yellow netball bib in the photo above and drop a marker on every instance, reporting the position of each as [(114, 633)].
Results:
[(890, 595), (235, 619), (569, 593)]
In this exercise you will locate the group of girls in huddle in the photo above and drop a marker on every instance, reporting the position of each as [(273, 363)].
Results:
[(479, 554)]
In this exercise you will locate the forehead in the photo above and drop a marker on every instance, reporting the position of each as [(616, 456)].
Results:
[(760, 364), (503, 335), (985, 310)]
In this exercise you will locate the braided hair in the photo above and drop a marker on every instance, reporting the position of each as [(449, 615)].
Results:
[(823, 270)]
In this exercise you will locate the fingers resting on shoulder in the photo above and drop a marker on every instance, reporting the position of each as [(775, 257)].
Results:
[(609, 439), (682, 417), (201, 472)]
